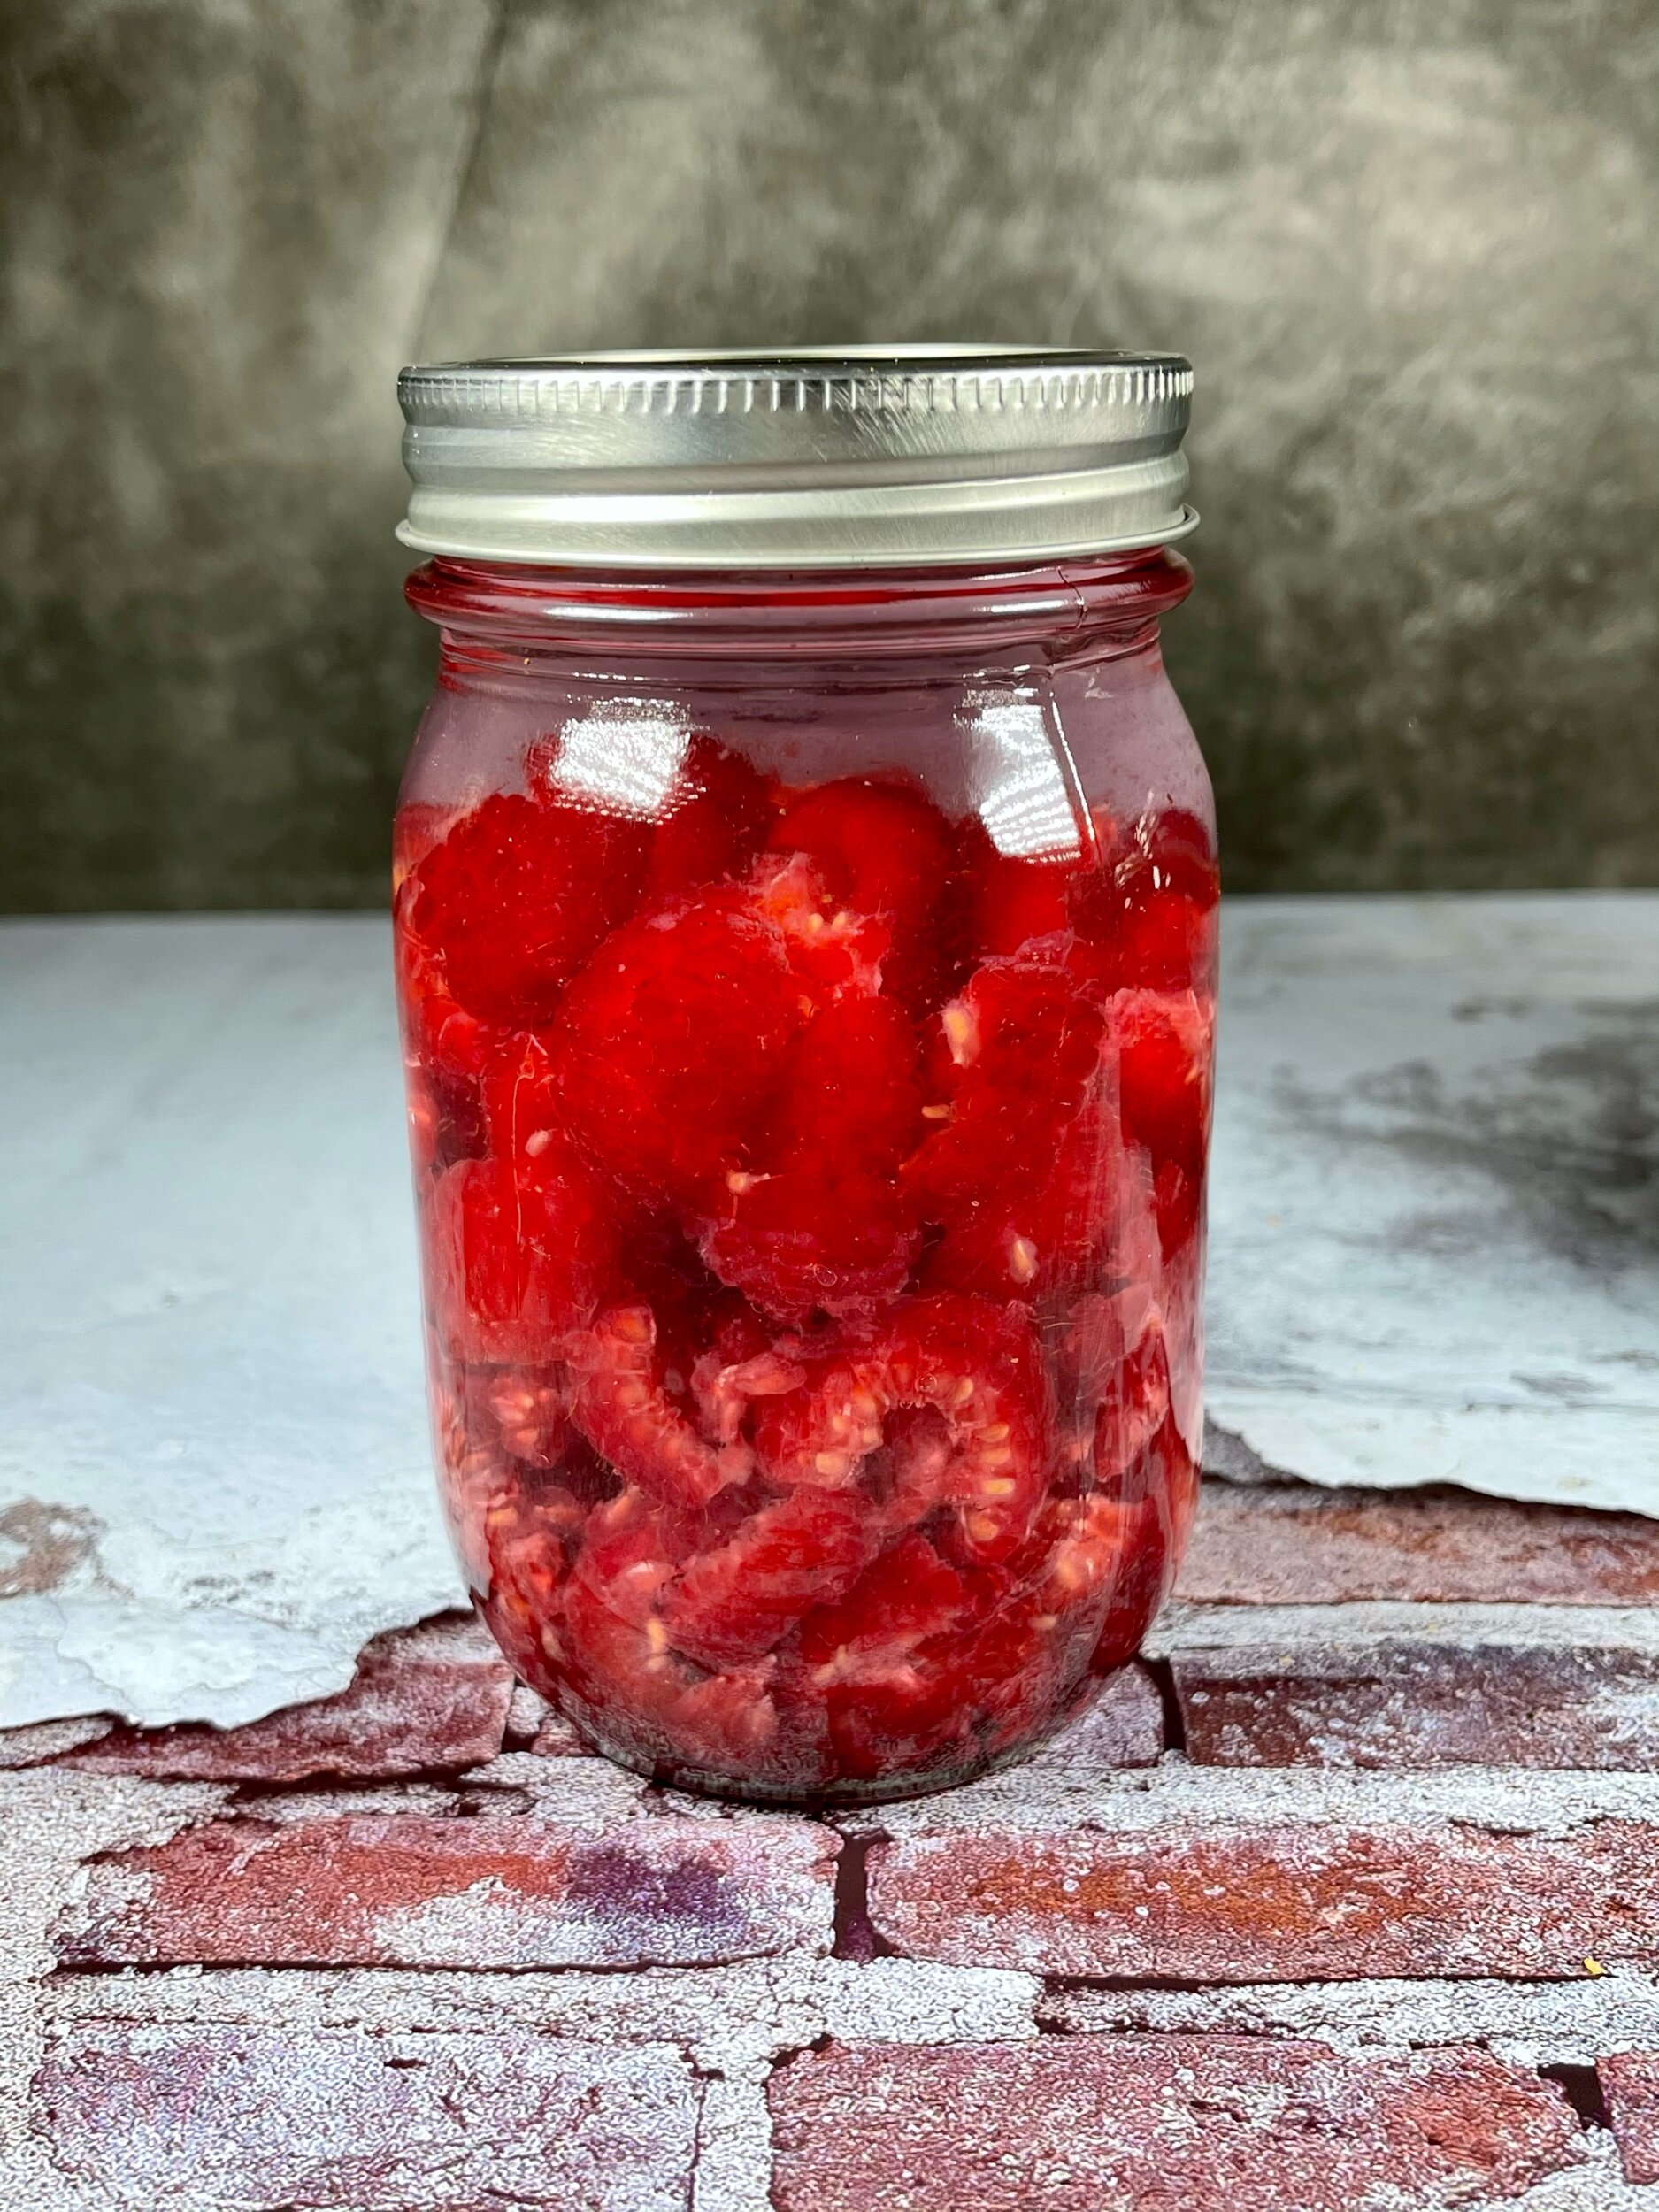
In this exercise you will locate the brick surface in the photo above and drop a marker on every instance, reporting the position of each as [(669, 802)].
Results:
[(250, 2120), (1292, 1544), (1396, 1685), (1630, 2083), (410, 1889), (1124, 1727), (1076, 2123), (1241, 1904), (428, 1697)]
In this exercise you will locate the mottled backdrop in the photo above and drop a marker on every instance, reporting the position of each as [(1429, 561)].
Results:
[(1409, 246)]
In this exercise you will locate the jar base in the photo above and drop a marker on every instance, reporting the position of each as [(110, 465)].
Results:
[(849, 1795)]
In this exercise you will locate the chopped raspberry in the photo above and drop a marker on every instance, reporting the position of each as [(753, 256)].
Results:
[(618, 1402), (517, 897), (976, 1364), (884, 848), (516, 1264), (670, 1046), (717, 817), (736, 1601), (1118, 1365), (632, 1548), (647, 1702), (527, 1547), (918, 1720), (528, 1408), (1148, 1569)]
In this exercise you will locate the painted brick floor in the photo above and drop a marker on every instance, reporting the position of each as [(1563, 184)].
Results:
[(1346, 1900)]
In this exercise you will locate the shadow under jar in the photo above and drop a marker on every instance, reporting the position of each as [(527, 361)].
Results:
[(805, 923)]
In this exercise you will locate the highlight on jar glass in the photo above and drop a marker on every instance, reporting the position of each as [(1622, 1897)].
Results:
[(805, 917)]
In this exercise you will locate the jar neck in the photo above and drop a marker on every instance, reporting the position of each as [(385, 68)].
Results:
[(1104, 605)]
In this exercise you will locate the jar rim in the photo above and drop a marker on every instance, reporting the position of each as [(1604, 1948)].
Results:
[(808, 458)]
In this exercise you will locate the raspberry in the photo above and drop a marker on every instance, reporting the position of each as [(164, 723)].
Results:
[(718, 814), (670, 1046), (831, 949), (1011, 899), (445, 1052), (1119, 1367), (632, 1547), (1164, 1049), (805, 1239), (724, 1388), (823, 1225), (853, 1088), (420, 825), (515, 1263), (652, 1706), (884, 849), (737, 1600), (618, 1402), (874, 1633), (517, 897), (1020, 1172), (977, 1366), (1147, 915), (1150, 1558)]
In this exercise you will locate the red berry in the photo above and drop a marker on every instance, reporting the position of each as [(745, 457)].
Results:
[(419, 826), (854, 1091), (516, 1264), (670, 1046), (977, 1366), (832, 948), (803, 1241), (883, 848), (821, 1224), (736, 1601), (1146, 917), (618, 1402), (716, 819), (907, 1596), (653, 1707), (517, 896), (1163, 1049), (1020, 1171), (1011, 898)]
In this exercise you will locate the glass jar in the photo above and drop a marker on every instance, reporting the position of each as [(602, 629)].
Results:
[(806, 932)]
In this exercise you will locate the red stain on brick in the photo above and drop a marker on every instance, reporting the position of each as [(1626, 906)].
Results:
[(1159, 2123), (434, 1696), (338, 2120), (1293, 1545), (410, 1889), (1406, 1704), (1288, 1904), (1630, 2084)]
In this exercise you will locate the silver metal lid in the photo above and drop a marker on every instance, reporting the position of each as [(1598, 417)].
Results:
[(867, 458)]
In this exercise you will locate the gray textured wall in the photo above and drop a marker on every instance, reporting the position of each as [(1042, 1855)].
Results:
[(1408, 245)]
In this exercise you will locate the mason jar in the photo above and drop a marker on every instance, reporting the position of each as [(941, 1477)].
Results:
[(805, 924)]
